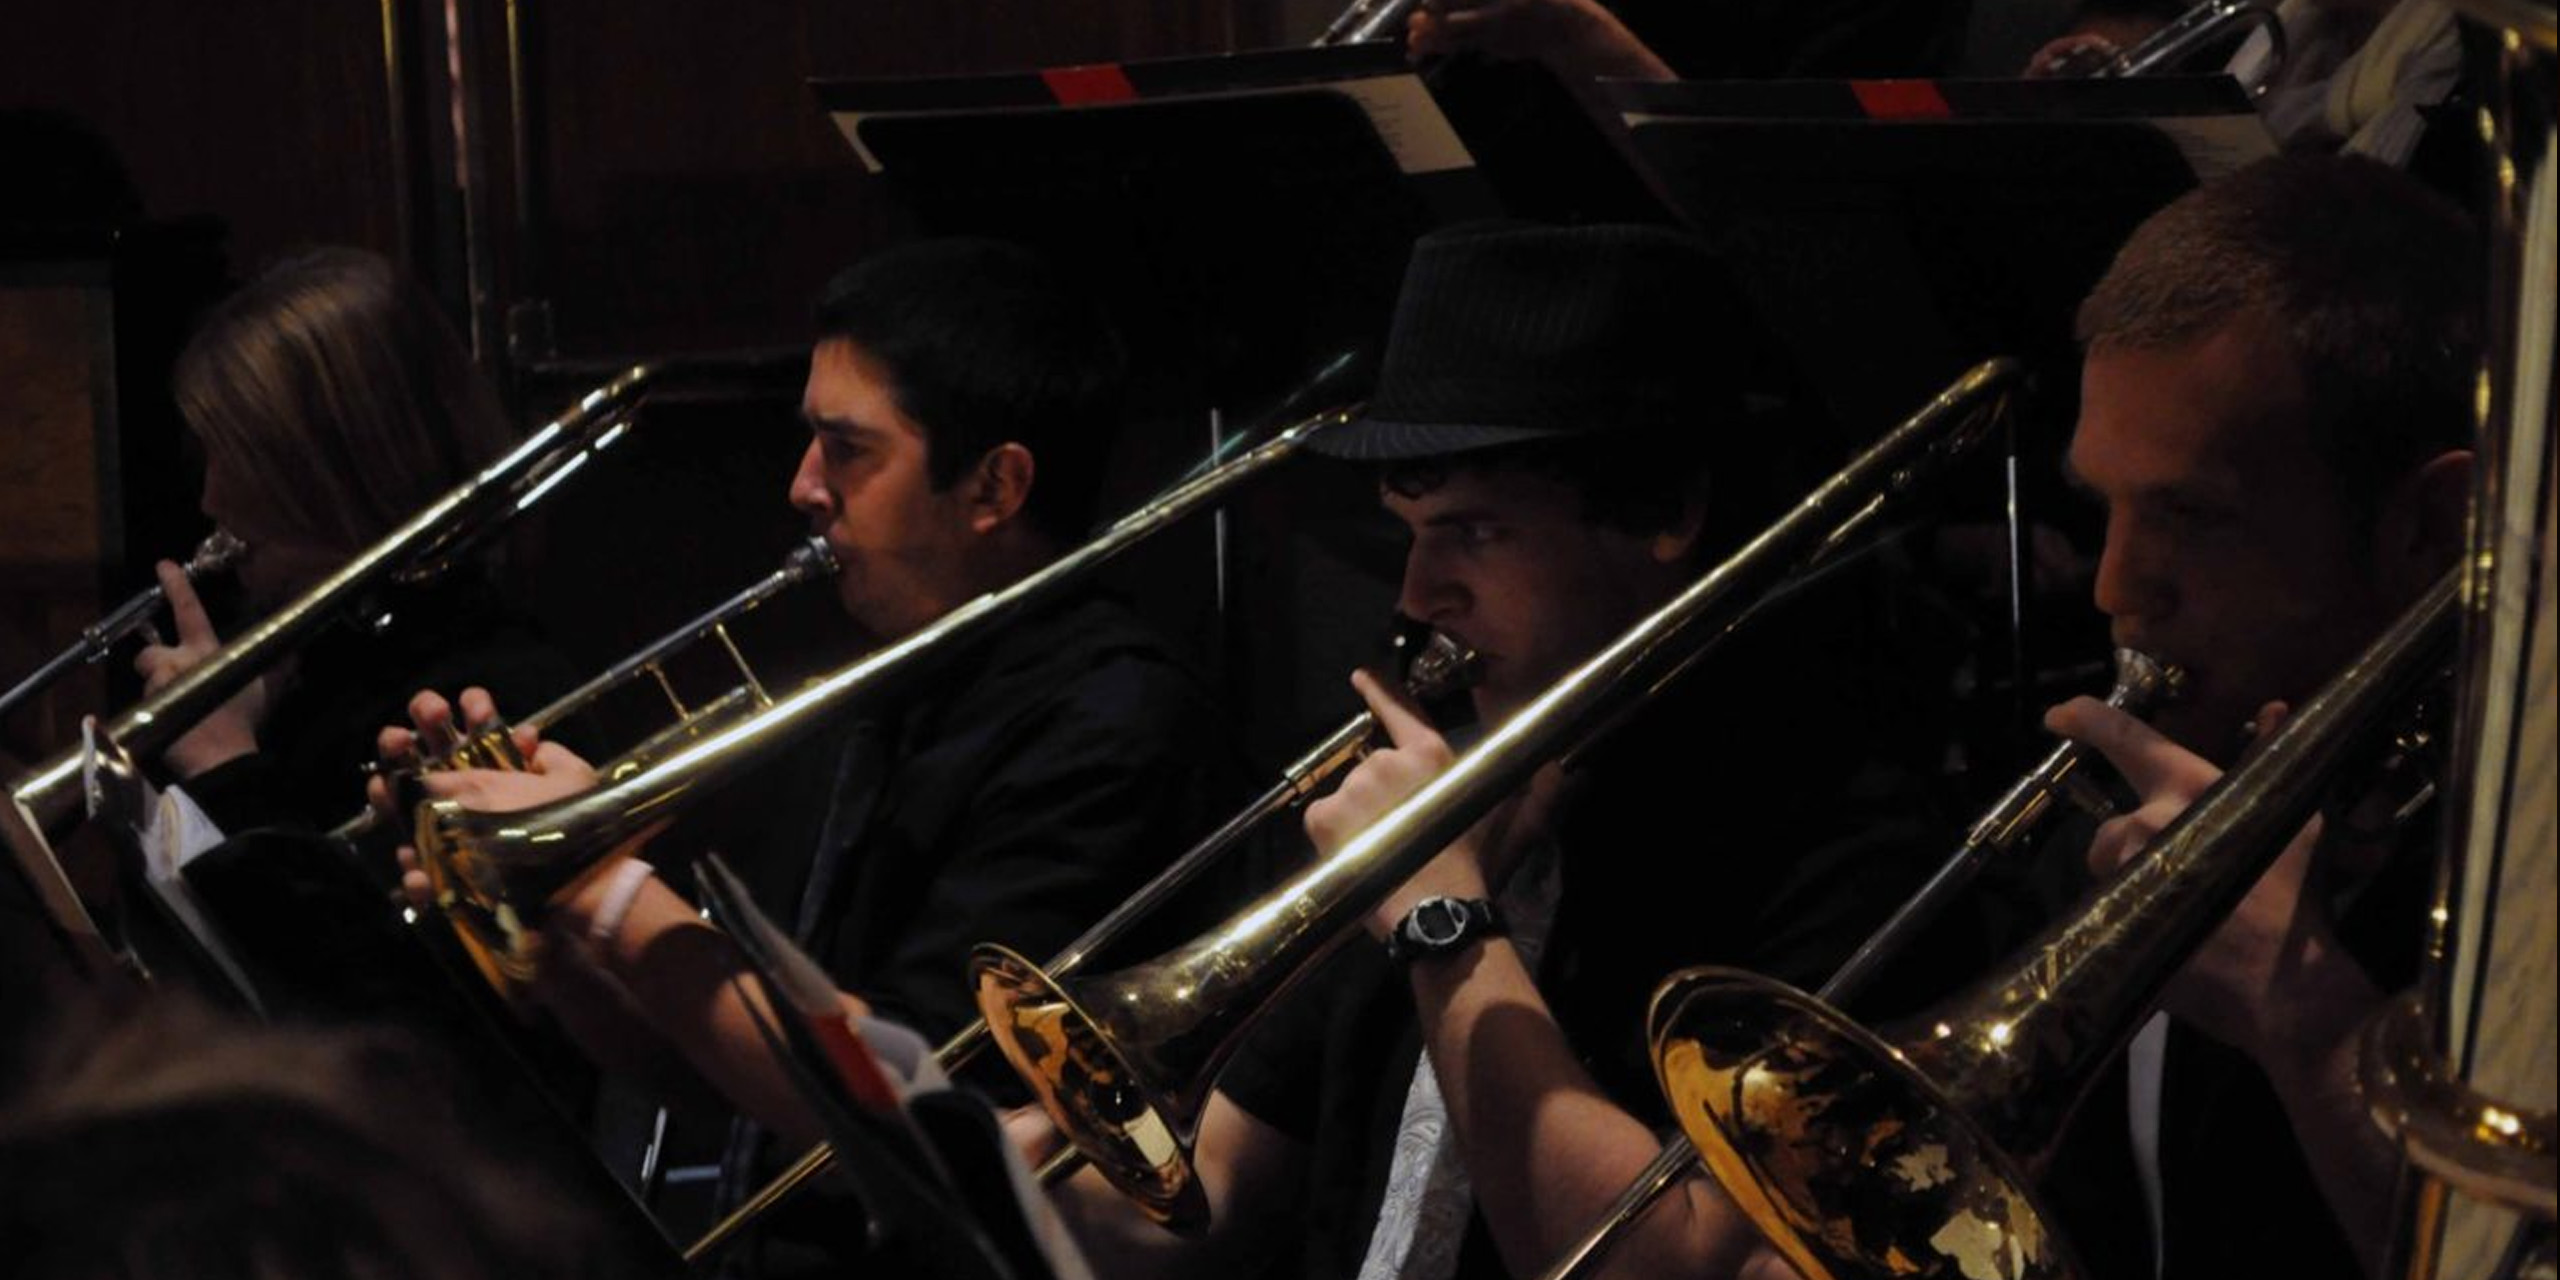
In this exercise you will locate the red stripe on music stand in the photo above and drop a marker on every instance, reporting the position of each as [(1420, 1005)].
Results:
[(1084, 86), (1901, 99)]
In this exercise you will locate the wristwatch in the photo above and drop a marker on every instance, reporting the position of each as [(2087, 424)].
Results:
[(1437, 926)]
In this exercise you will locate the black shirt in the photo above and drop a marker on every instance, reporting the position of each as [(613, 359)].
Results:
[(1032, 786), (311, 920), (2239, 1199), (352, 680), (1029, 788), (1742, 820)]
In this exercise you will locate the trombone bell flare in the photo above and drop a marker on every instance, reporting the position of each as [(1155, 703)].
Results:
[(1737, 1054), (1108, 1105), (476, 894), (1859, 1156)]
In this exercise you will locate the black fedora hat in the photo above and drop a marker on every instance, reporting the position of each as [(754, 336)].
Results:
[(1506, 333)]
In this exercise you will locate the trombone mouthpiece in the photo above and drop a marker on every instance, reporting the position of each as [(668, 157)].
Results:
[(810, 561), (2144, 683), (220, 550), (1442, 667)]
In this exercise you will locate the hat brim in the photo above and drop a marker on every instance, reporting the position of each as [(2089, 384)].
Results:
[(1379, 440)]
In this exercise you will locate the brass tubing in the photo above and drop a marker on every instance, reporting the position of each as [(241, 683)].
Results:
[(1123, 1062), (2141, 683), (44, 801), (1797, 1110), (1442, 668), (529, 854)]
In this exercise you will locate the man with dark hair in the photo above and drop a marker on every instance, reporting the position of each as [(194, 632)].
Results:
[(2275, 413), (960, 401), (1556, 430), (990, 348)]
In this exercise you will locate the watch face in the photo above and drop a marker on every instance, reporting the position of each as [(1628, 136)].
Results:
[(1437, 921)]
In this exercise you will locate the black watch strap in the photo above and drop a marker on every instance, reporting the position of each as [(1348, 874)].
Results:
[(1441, 925)]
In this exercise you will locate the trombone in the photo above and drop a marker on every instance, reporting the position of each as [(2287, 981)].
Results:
[(1441, 667), (1123, 1062), (2165, 51), (1362, 21), (2459, 1074), (46, 801), (2142, 683), (499, 867), (1800, 1113), (216, 554), (493, 746), (809, 560)]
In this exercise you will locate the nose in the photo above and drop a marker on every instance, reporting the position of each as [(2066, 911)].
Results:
[(809, 484), (1430, 592), (2133, 585)]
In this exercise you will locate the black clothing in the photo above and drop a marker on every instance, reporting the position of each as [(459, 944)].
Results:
[(302, 915), (2239, 1199), (1742, 820), (351, 681), (312, 922), (1036, 783)]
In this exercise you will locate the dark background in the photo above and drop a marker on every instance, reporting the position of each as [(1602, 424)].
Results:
[(583, 185)]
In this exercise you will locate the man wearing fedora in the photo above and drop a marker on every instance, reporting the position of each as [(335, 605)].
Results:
[(1462, 1092)]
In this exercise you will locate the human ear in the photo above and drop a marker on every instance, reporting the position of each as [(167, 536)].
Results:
[(2425, 521), (1678, 539), (999, 486)]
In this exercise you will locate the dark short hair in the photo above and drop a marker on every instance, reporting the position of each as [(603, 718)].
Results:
[(345, 396), (2367, 279), (985, 344)]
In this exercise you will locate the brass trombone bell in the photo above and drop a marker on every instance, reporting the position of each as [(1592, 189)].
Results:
[(474, 894), (1439, 668), (1914, 1153), (2142, 683)]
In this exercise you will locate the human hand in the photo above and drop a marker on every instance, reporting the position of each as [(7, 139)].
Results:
[(2071, 57), (1577, 39), (1473, 865), (552, 772), (2267, 973), (231, 731)]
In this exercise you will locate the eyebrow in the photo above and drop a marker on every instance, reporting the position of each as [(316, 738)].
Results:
[(1460, 515), (846, 427)]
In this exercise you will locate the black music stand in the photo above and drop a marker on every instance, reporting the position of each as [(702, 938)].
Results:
[(1245, 215), (1893, 232)]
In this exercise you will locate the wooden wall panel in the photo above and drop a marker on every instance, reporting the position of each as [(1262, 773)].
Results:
[(53, 351), (695, 195), (272, 117)]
